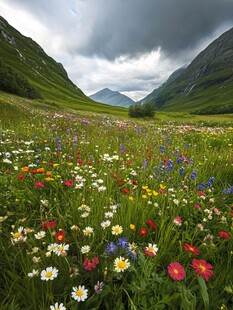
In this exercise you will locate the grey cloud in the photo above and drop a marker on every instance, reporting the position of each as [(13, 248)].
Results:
[(136, 26)]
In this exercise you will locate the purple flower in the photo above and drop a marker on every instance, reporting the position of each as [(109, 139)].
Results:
[(111, 248), (123, 242)]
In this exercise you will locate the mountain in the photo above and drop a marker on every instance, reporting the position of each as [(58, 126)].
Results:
[(113, 98), (206, 85), (24, 66), (152, 97)]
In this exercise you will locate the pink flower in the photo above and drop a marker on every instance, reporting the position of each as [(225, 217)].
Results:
[(176, 271), (202, 268), (191, 248), (224, 235), (68, 183), (89, 265), (39, 184), (178, 221)]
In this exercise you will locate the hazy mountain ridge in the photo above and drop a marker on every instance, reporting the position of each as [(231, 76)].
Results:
[(113, 98)]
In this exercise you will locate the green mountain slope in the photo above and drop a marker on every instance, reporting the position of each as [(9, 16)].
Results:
[(42, 72), (206, 85)]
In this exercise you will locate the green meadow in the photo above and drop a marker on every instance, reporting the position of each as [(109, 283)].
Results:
[(101, 211)]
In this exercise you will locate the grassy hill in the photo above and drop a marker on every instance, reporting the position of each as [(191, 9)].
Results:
[(205, 86), (29, 60)]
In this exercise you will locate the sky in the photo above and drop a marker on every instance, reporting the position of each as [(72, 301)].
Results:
[(130, 46)]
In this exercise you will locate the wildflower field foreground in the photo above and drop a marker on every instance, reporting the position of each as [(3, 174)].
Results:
[(100, 213)]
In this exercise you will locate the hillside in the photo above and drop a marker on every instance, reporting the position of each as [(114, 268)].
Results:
[(206, 85), (26, 61), (113, 98), (152, 97)]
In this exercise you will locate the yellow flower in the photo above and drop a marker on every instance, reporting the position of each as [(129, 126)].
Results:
[(144, 196), (148, 190), (132, 226), (48, 179), (155, 193), (70, 164), (144, 186), (131, 198), (162, 186), (55, 165)]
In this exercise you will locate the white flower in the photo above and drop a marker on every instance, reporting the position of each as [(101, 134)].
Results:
[(121, 264), (79, 293), (105, 224), (49, 273), (88, 231), (33, 273), (85, 249), (108, 215), (40, 235), (61, 249), (57, 307), (85, 214), (152, 248), (18, 235), (117, 230), (52, 247)]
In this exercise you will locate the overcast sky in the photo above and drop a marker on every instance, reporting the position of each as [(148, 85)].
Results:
[(131, 46)]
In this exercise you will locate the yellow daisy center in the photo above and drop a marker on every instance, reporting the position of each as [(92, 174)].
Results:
[(175, 271), (203, 268), (48, 274), (79, 293), (150, 249), (17, 234), (121, 264)]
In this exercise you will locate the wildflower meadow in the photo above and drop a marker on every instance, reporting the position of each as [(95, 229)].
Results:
[(106, 213)]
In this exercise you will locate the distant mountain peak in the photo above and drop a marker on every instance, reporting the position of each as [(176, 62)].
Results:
[(112, 97)]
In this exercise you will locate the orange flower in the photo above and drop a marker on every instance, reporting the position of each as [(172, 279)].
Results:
[(48, 173), (25, 169), (40, 170)]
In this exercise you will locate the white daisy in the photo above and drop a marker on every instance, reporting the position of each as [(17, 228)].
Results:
[(79, 293), (152, 248), (117, 230), (88, 231), (57, 307), (33, 273), (121, 264), (105, 224), (52, 247), (40, 235), (61, 249), (85, 249), (49, 273)]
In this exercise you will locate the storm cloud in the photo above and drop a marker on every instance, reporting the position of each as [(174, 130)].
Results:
[(127, 45)]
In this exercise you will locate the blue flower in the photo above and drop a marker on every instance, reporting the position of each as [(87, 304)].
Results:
[(133, 254), (111, 248), (123, 242)]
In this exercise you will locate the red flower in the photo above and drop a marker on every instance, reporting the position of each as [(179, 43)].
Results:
[(60, 236), (89, 265), (224, 235), (68, 183), (39, 184), (135, 182), (143, 231), (126, 191), (176, 271), (202, 268), (48, 225), (21, 176), (191, 248), (200, 193), (115, 176), (151, 224), (33, 171)]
